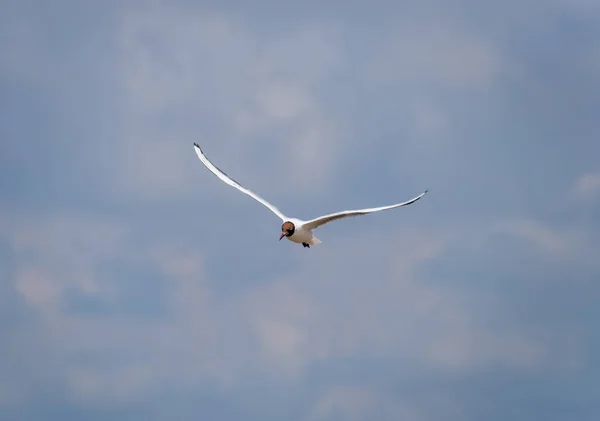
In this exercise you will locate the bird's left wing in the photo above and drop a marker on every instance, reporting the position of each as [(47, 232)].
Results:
[(224, 177), (317, 222)]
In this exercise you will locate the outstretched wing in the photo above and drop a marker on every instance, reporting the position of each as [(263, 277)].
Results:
[(224, 177), (317, 222)]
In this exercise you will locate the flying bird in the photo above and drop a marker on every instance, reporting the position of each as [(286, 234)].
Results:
[(296, 230)]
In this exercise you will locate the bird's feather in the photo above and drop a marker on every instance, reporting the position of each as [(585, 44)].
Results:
[(224, 177), (317, 222)]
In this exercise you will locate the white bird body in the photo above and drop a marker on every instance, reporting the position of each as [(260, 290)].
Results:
[(296, 230), (301, 234)]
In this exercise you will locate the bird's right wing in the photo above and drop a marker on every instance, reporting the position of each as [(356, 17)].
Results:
[(317, 222), (224, 177)]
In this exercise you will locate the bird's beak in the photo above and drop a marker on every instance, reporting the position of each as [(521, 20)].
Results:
[(282, 235)]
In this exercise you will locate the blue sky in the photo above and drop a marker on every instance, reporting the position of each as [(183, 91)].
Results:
[(134, 285)]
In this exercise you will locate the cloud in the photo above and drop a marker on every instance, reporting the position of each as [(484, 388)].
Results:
[(276, 331), (383, 310), (587, 186), (354, 300), (542, 237), (444, 56), (254, 95), (356, 403), (56, 254), (126, 290), (569, 242)]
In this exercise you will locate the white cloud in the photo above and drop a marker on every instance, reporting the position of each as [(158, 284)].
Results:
[(353, 299), (587, 186), (543, 237), (234, 92), (567, 242), (430, 119), (125, 385), (255, 100), (440, 55), (356, 403), (381, 310), (468, 349), (283, 103), (39, 289), (61, 252), (282, 327)]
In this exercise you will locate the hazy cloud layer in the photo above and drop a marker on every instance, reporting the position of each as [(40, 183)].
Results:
[(134, 285)]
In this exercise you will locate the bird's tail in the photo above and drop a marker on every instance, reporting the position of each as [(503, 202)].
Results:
[(314, 241)]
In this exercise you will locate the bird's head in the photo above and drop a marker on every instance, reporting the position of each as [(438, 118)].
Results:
[(287, 229)]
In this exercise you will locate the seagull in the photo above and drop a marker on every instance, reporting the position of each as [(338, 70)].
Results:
[(294, 229)]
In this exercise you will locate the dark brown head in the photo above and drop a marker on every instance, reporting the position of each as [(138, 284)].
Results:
[(287, 230)]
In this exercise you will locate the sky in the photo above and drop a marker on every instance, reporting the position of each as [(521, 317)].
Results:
[(134, 285)]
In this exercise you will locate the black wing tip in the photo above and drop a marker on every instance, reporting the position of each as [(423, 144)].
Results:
[(425, 191), (199, 148)]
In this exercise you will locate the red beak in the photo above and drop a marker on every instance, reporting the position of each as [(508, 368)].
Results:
[(282, 235)]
